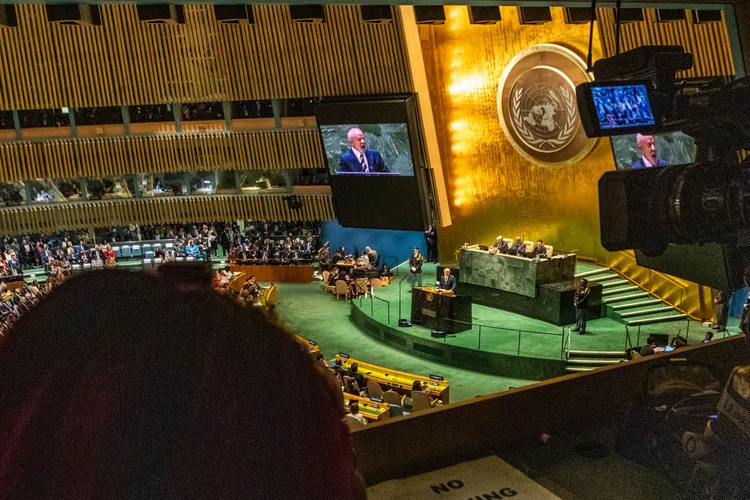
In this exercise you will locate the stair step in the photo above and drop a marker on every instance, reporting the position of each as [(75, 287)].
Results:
[(659, 319), (645, 312), (636, 304), (608, 292), (623, 298), (592, 273), (594, 362), (574, 352), (608, 284), (578, 369), (605, 278)]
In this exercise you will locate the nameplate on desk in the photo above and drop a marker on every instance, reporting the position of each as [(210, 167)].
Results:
[(427, 312), (488, 477)]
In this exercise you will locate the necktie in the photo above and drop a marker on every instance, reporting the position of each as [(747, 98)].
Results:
[(363, 163)]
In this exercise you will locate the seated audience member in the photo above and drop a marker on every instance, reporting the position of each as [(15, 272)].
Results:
[(252, 288), (192, 250), (385, 272), (417, 386), (540, 250), (372, 255), (338, 368), (350, 387), (354, 412), (518, 248), (170, 256), (501, 246), (648, 349), (168, 403), (709, 336), (160, 253), (353, 372)]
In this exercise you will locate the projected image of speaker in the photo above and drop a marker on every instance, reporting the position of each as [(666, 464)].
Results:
[(376, 14), (71, 13), (161, 14), (429, 14), (484, 15), (8, 16), (534, 15), (234, 14), (308, 14)]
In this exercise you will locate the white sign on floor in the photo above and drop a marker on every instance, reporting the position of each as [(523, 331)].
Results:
[(486, 478)]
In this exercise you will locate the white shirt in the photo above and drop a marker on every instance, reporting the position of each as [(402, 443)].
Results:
[(646, 163), (359, 157), (359, 417)]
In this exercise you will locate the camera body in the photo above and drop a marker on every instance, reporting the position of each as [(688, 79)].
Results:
[(653, 209)]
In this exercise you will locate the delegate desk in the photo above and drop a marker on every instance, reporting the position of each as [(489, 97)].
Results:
[(541, 289), (310, 346), (289, 274), (371, 410), (434, 310), (400, 382)]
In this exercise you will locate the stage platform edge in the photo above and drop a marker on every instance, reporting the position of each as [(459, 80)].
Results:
[(436, 351)]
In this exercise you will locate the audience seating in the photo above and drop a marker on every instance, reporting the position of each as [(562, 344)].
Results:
[(147, 247), (420, 401), (393, 398), (341, 288), (126, 251), (374, 390), (396, 411), (361, 286), (353, 424), (509, 242), (149, 255), (117, 251), (529, 246), (549, 250), (136, 251), (375, 283)]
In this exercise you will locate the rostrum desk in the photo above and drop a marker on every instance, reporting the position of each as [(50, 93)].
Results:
[(435, 310)]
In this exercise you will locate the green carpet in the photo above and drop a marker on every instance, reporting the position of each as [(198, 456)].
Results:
[(306, 311)]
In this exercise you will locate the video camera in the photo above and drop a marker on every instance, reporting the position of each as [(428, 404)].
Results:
[(651, 209)]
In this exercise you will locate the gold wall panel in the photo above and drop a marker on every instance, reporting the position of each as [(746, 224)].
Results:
[(89, 157), (709, 42), (76, 216), (124, 61), (491, 188)]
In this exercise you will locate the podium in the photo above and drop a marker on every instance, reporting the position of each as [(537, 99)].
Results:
[(431, 309)]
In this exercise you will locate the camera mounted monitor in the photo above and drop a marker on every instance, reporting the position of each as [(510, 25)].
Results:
[(617, 108)]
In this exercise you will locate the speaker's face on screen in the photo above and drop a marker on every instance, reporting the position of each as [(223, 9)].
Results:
[(357, 139), (648, 147)]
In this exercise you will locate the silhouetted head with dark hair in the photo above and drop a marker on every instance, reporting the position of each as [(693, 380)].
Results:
[(127, 386)]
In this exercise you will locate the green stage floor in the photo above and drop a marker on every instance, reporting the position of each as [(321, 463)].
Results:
[(310, 313)]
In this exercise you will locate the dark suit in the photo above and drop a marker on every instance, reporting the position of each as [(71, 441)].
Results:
[(447, 284), (540, 251), (518, 249), (640, 164), (502, 246), (349, 162)]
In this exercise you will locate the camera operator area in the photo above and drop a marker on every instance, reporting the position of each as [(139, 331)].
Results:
[(399, 250)]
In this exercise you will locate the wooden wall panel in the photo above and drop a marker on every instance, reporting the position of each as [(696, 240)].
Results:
[(709, 43), (102, 156), (126, 62), (75, 216)]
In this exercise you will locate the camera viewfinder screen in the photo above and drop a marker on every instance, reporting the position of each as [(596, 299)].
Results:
[(622, 106)]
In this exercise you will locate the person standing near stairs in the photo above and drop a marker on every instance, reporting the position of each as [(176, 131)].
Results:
[(581, 302)]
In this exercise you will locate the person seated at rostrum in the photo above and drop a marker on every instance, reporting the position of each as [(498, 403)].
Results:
[(518, 248), (500, 246), (86, 415), (540, 251)]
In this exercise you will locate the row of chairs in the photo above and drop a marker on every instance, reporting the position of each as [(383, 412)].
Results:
[(127, 251), (529, 246), (363, 286), (420, 400)]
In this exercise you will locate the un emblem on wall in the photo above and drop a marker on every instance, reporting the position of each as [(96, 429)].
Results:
[(537, 106)]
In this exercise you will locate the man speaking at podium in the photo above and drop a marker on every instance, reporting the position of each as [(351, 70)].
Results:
[(447, 282)]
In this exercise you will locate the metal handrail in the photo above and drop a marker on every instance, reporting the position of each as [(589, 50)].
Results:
[(502, 328)]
